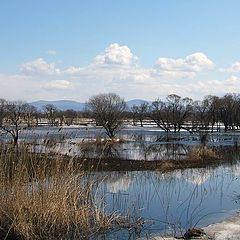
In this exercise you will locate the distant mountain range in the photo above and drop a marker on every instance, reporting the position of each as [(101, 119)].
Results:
[(60, 104), (77, 106)]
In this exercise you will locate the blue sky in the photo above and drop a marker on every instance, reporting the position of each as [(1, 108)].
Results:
[(139, 49)]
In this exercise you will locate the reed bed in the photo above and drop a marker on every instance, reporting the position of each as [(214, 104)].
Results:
[(203, 153), (47, 197)]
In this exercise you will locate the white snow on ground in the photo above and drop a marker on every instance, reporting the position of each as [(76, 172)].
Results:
[(228, 229)]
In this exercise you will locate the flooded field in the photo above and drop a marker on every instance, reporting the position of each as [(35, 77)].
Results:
[(163, 202), (135, 143)]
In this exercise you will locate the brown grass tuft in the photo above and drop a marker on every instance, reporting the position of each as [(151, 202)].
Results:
[(202, 153), (46, 198)]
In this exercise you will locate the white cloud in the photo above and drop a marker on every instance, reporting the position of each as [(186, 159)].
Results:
[(198, 62), (58, 84), (153, 88), (182, 67), (229, 85), (28, 88), (118, 62), (15, 87), (51, 52), (235, 68), (116, 70), (39, 67), (199, 89), (22, 87), (117, 55), (72, 71)]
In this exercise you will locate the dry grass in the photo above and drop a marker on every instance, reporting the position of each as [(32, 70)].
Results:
[(45, 198), (202, 154)]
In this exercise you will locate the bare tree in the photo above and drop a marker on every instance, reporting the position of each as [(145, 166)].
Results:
[(12, 122), (172, 113), (140, 112), (236, 116), (30, 114), (159, 115), (51, 113), (60, 116), (202, 115), (69, 116), (179, 109), (2, 110), (227, 108), (213, 108), (108, 111)]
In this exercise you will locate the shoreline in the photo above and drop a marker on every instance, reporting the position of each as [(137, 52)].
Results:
[(227, 229)]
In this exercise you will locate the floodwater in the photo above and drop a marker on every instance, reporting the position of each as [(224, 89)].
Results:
[(148, 143), (168, 203)]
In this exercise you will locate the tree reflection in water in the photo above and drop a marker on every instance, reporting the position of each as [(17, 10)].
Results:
[(135, 151)]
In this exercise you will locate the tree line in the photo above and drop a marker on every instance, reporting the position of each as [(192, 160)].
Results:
[(173, 113), (109, 110), (17, 115)]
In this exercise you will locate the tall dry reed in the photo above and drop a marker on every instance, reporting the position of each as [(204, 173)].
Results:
[(47, 197)]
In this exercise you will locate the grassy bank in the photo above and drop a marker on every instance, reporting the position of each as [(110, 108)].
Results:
[(197, 157)]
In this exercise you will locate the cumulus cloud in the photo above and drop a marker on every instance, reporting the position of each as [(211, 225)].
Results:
[(115, 68), (39, 67), (116, 54), (235, 68), (118, 62), (182, 67), (58, 84), (198, 61)]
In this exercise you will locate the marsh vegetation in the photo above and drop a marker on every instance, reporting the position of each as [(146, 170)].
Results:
[(117, 173)]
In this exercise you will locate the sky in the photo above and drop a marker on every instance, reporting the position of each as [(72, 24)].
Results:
[(139, 49)]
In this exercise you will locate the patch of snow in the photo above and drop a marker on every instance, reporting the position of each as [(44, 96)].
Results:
[(228, 229)]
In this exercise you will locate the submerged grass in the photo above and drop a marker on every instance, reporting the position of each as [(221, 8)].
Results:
[(45, 197), (203, 153)]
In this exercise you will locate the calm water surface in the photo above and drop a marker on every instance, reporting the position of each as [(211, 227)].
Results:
[(172, 202)]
